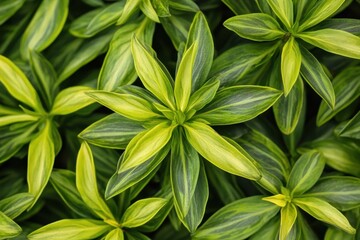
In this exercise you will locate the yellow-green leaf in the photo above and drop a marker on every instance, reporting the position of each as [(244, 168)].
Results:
[(116, 234), (290, 64), (8, 228), (283, 10), (219, 152), (6, 120), (288, 218), (87, 185), (148, 9), (131, 6)]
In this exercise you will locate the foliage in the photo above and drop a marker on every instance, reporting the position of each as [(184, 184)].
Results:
[(179, 119)]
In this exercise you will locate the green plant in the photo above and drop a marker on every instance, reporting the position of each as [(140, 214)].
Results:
[(151, 119)]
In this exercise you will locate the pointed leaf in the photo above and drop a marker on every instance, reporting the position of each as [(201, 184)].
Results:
[(269, 231), (203, 96), (237, 220), (148, 9), (17, 84), (87, 185), (41, 157), (154, 77), (8, 228), (334, 41), (8, 8), (129, 106), (16, 204), (323, 211), (112, 131), (237, 104), (146, 144), (283, 10), (131, 6), (312, 71), (11, 119), (305, 173), (116, 234), (288, 218), (255, 26), (71, 100), (211, 145), (44, 27), (290, 64), (71, 229), (319, 12), (352, 128), (142, 211)]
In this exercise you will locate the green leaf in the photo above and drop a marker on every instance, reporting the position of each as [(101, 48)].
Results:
[(290, 64), (255, 26), (124, 179), (71, 100), (343, 192), (64, 183), (314, 74), (323, 211), (320, 11), (87, 185), (183, 80), (113, 131), (234, 64), (8, 228), (161, 7), (211, 145), (305, 173), (16, 204), (44, 27), (41, 157), (131, 6), (154, 77), (148, 9), (240, 7), (142, 211), (288, 218), (283, 10), (116, 234), (184, 5), (119, 54), (7, 120), (127, 105), (200, 32), (146, 144), (237, 220), (352, 128), (238, 104), (347, 90), (8, 8), (97, 20), (71, 229), (177, 28), (269, 231), (345, 24), (334, 41), (17, 84)]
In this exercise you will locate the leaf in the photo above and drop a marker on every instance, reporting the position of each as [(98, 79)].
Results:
[(345, 24), (255, 26), (184, 5), (211, 145), (312, 71), (41, 157), (119, 54), (162, 7), (200, 32), (8, 8), (329, 39), (343, 192), (142, 211), (352, 128), (306, 172), (87, 185), (8, 228), (127, 105), (71, 100), (319, 12), (288, 218), (64, 183), (93, 22), (124, 179), (146, 144), (17, 84), (44, 27), (116, 234), (323, 211), (283, 10), (347, 90), (11, 119), (177, 28), (269, 231), (16, 204), (237, 220), (154, 77), (239, 8), (130, 7), (238, 104), (71, 229), (112, 131), (148, 9), (290, 64), (183, 80)]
